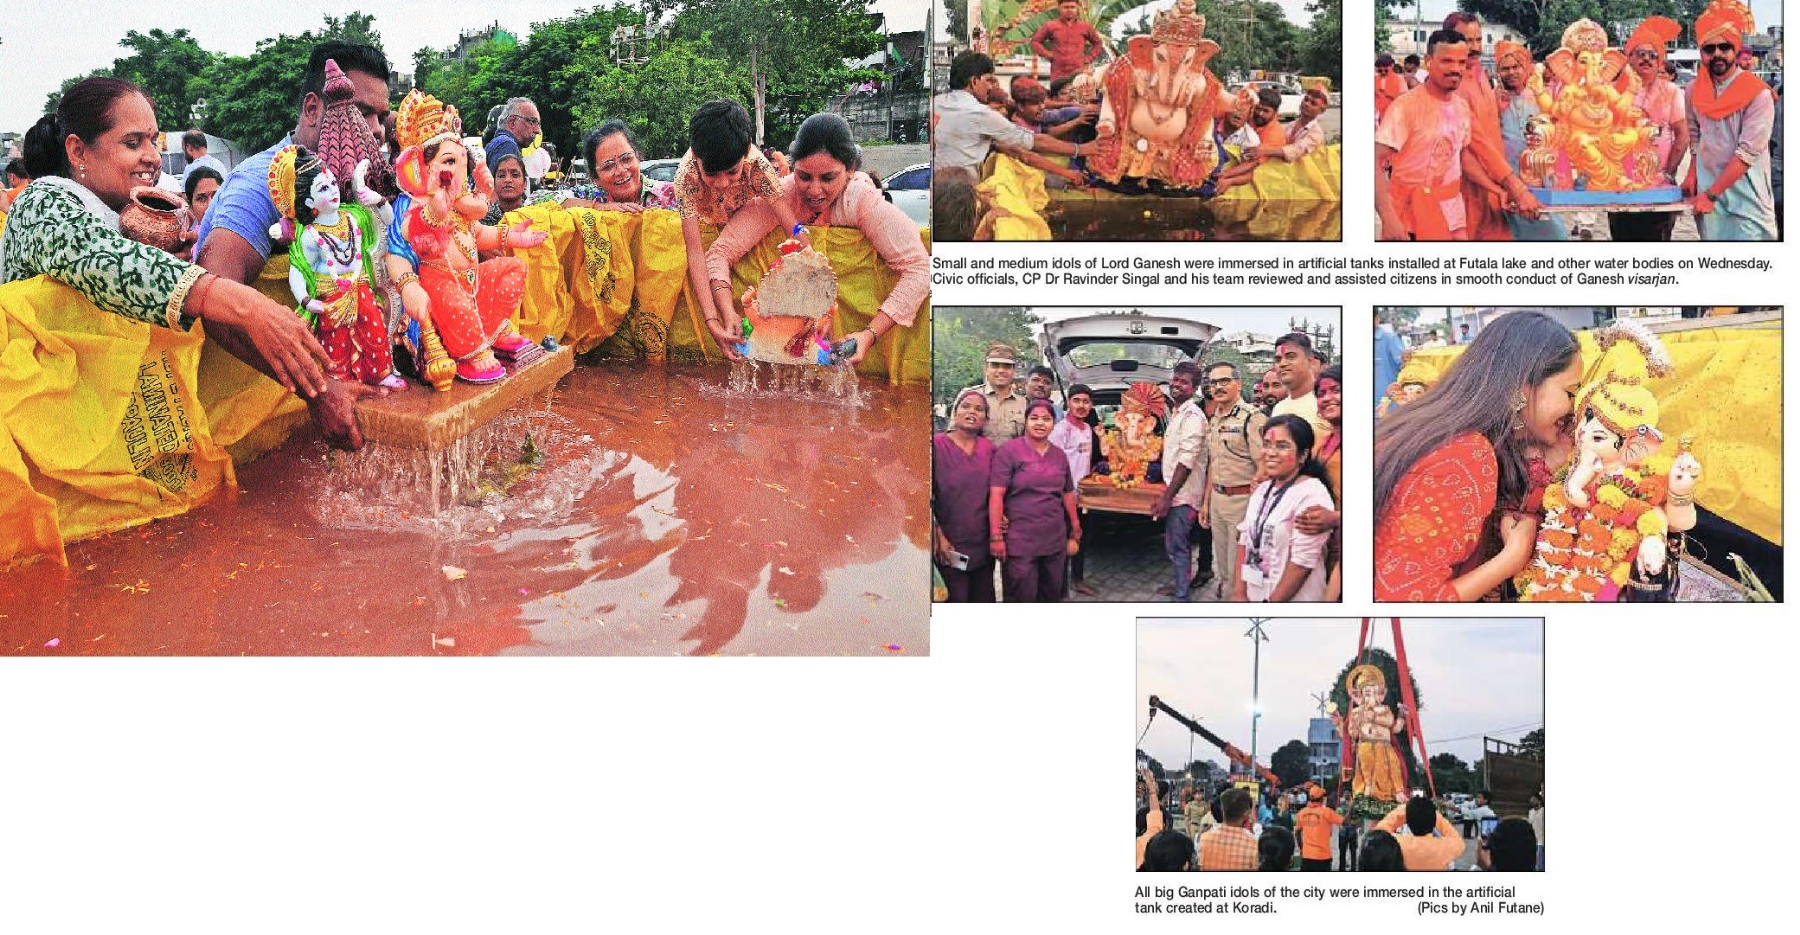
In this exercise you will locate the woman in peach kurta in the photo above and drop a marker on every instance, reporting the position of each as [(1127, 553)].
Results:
[(1453, 470), (826, 189)]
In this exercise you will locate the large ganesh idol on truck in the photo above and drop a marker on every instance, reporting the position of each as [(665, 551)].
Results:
[(1160, 106), (457, 303)]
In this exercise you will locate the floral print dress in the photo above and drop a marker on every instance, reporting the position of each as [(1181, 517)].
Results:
[(60, 229)]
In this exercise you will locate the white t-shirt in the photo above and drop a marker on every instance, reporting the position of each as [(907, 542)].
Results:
[(210, 161)]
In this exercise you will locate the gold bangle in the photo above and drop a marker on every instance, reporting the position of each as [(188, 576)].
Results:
[(404, 279), (1678, 500), (505, 231)]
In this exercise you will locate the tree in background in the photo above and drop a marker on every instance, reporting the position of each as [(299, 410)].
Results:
[(1384, 14), (1390, 671), (1322, 49), (1290, 762), (793, 50), (956, 21), (164, 64), (1532, 745), (254, 100), (960, 339), (554, 66), (1451, 774), (676, 81), (1543, 21)]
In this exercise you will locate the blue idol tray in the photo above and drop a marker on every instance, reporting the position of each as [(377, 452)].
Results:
[(1553, 197)]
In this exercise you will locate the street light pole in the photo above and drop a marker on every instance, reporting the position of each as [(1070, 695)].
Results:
[(1257, 638)]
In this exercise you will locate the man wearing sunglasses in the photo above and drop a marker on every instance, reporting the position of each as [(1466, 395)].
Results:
[(1731, 113), (519, 125)]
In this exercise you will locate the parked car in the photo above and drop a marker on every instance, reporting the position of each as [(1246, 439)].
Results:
[(910, 191), (660, 170), (1112, 350)]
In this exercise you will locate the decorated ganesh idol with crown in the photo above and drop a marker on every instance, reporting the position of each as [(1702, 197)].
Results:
[(1596, 137), (1614, 518), (1132, 443), (1160, 105), (432, 250)]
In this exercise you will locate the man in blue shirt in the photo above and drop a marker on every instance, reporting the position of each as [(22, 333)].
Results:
[(519, 125), (234, 235), (1387, 356)]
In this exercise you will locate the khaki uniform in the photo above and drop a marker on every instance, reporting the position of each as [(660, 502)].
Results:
[(1006, 414), (1234, 450)]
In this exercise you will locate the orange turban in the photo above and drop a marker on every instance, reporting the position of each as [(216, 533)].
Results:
[(1724, 19), (1504, 50), (1656, 32)]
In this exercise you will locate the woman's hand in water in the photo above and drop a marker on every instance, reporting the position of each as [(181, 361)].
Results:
[(865, 339), (727, 336)]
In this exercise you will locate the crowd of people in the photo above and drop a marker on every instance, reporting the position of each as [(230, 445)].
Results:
[(1449, 136), (81, 162), (1255, 480), (1304, 829)]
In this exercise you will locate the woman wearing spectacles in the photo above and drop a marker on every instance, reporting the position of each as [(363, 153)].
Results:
[(1277, 562), (618, 182)]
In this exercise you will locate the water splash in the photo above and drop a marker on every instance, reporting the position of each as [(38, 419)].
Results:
[(528, 461), (836, 385)]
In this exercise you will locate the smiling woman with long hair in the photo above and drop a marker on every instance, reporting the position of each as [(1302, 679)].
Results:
[(1454, 470)]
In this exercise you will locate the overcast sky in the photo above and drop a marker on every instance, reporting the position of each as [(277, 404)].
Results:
[(1475, 677), (1266, 321), (1767, 12), (43, 43)]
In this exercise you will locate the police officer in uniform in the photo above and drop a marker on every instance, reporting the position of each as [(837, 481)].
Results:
[(1234, 452), (1006, 403)]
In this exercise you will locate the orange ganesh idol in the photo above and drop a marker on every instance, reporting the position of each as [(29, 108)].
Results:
[(432, 250)]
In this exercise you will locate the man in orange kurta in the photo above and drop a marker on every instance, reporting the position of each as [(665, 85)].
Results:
[(1388, 84), (1481, 198), (1420, 151), (1431, 842)]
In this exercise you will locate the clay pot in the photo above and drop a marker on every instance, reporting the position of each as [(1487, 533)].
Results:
[(158, 219)]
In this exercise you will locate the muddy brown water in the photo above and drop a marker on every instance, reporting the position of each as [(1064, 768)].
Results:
[(668, 515)]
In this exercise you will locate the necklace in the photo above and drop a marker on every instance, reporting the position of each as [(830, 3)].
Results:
[(340, 246)]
